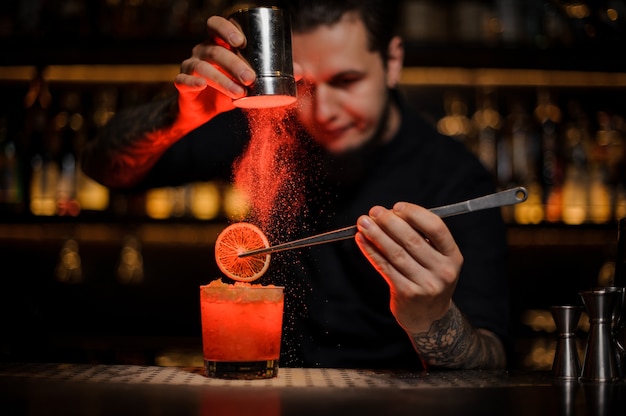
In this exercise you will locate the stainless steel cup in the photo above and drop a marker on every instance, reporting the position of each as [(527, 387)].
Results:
[(600, 362), (618, 324), (566, 364), (268, 51)]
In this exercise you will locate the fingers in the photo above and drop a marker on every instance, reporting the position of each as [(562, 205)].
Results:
[(207, 67), (379, 255), (298, 73), (392, 245), (215, 63), (410, 242), (186, 82), (429, 225), (225, 31)]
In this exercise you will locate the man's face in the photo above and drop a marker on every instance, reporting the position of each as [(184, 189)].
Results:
[(343, 93)]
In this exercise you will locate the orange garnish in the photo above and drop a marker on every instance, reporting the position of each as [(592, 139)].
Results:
[(236, 239)]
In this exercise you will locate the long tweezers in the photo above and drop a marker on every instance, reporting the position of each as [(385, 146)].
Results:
[(498, 199)]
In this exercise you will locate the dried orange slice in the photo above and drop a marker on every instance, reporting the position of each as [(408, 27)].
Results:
[(238, 238)]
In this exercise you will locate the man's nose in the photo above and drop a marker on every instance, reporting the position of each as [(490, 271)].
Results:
[(325, 104)]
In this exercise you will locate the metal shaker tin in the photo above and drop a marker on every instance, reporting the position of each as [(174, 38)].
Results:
[(268, 50)]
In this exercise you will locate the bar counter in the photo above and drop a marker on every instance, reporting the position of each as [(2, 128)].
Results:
[(81, 389)]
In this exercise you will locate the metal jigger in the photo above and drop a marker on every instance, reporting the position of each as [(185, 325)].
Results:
[(600, 363), (618, 320), (566, 364)]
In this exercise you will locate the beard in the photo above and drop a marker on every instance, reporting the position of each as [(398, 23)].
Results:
[(350, 166)]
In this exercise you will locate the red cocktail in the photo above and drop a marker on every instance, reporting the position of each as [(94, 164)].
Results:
[(241, 329)]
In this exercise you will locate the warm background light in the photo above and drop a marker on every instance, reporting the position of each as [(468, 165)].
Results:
[(204, 200)]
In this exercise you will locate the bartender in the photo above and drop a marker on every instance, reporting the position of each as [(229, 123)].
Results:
[(411, 290)]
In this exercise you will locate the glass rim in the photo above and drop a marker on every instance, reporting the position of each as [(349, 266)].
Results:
[(233, 287)]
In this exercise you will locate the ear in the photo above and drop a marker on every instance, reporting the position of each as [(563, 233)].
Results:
[(395, 61)]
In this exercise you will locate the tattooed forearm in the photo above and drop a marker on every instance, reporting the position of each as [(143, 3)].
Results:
[(452, 342), (125, 149), (132, 124)]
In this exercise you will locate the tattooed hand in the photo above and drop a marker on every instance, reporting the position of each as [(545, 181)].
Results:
[(452, 342), (414, 251)]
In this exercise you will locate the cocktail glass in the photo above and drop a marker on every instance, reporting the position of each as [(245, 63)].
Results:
[(241, 330)]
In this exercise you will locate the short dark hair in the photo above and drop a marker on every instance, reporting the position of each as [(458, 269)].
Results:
[(380, 17)]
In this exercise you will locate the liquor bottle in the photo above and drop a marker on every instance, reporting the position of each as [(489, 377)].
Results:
[(488, 123), (423, 21), (510, 15), (600, 192), (548, 114), (11, 197), (69, 123), (91, 195), (455, 122), (469, 19), (611, 140), (521, 138), (576, 187), (43, 175)]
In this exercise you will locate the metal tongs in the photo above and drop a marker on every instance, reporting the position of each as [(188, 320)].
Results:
[(498, 199)]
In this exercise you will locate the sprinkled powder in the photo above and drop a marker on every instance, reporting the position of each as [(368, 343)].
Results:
[(267, 173), (272, 176)]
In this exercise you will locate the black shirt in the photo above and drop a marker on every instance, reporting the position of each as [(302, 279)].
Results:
[(337, 306)]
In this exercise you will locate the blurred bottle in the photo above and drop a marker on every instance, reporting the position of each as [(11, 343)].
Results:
[(204, 200), (159, 203), (473, 22), (576, 184), (545, 26), (510, 16), (69, 267), (616, 163), (488, 123), (91, 195), (606, 141), (523, 146), (455, 122), (423, 21), (69, 125), (11, 190), (548, 115), (38, 135), (533, 210), (130, 270), (513, 150)]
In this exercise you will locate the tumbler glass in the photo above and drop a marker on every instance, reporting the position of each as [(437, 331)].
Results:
[(241, 330)]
